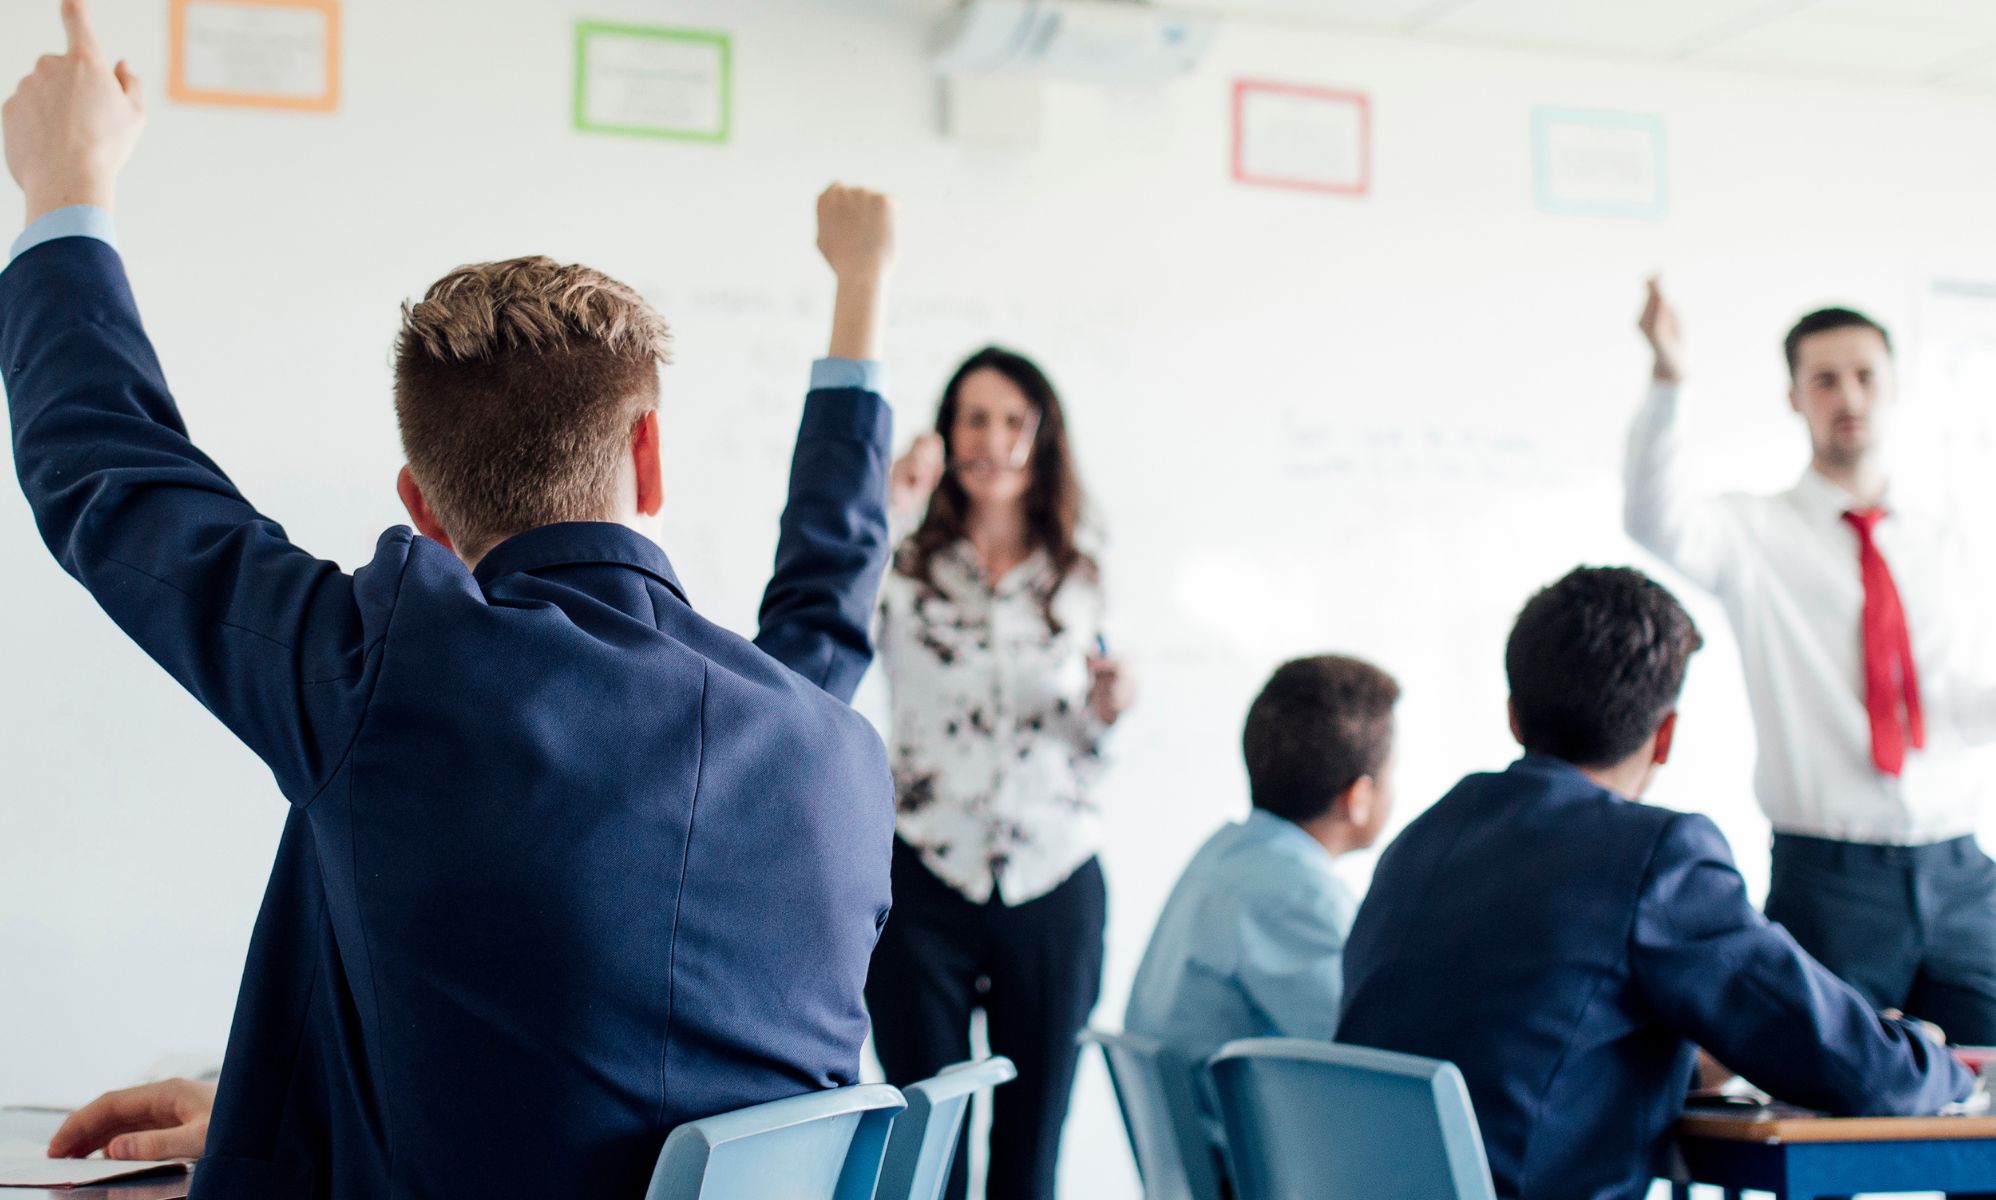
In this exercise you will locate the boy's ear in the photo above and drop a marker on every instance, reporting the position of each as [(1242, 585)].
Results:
[(420, 512), (1665, 734), (1359, 801), (645, 457)]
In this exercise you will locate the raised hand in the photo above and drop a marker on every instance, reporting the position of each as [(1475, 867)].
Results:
[(856, 236), (1666, 338), (856, 232), (915, 475), (153, 1121), (72, 123)]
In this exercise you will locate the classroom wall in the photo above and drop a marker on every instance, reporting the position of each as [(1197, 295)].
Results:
[(1308, 422)]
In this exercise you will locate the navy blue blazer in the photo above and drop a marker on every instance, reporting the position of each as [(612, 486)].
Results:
[(1567, 948), (566, 864)]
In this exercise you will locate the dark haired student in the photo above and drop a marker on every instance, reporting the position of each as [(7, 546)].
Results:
[(1567, 946), (1251, 942), (990, 634), (1861, 608)]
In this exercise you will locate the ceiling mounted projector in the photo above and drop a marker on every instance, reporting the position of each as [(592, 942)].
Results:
[(1092, 41)]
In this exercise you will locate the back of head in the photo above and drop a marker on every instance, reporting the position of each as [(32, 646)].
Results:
[(1596, 662), (516, 386), (1319, 725)]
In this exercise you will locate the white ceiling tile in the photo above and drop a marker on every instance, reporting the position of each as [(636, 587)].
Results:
[(1642, 28), (1842, 36), (1355, 14), (1972, 19)]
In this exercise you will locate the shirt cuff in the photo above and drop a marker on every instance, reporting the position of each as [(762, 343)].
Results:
[(78, 220), (861, 373)]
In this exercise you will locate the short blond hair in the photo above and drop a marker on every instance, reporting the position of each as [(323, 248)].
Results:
[(516, 384)]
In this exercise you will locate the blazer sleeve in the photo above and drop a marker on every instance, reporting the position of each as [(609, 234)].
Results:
[(262, 633), (817, 612), (1739, 986)]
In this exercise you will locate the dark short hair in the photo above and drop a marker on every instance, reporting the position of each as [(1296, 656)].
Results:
[(1595, 662), (1320, 725), (1822, 321)]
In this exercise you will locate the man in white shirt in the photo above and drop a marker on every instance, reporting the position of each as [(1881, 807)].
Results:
[(1859, 618)]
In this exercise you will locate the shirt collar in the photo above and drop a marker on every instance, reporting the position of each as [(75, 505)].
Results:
[(1018, 579), (1558, 771), (575, 543), (1281, 830), (1825, 501)]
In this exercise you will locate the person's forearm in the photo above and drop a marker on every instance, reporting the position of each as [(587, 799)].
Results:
[(856, 317), (42, 202)]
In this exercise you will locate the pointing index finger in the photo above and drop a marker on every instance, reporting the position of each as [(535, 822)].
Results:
[(76, 23)]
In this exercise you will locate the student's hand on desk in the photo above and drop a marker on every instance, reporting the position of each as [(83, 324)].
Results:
[(168, 1119), (1666, 338), (1933, 1032), (72, 123), (1111, 690), (915, 475)]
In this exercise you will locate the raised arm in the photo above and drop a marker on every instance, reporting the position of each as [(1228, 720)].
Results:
[(1660, 508), (1719, 973), (263, 634), (833, 544)]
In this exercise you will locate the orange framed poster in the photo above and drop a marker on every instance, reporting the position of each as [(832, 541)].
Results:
[(281, 54)]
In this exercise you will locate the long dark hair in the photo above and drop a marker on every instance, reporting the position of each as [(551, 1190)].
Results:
[(1053, 499)]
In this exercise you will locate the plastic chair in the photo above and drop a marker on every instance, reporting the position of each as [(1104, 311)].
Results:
[(923, 1142), (821, 1146), (1157, 1091), (1312, 1119)]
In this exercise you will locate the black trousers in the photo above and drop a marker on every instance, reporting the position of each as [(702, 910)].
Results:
[(1035, 969), (1910, 927)]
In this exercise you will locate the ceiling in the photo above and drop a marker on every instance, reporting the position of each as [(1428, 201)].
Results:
[(1946, 42)]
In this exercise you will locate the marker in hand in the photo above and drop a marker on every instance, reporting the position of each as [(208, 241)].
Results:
[(1110, 692)]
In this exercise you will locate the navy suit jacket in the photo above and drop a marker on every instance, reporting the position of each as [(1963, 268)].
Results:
[(1566, 948), (566, 864)]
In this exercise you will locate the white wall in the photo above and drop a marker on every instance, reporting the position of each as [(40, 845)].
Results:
[(1474, 362)]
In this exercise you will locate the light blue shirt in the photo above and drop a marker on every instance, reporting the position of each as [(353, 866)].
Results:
[(1250, 944), (87, 220)]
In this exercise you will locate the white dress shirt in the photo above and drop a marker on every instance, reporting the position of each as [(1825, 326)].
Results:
[(992, 740), (1786, 568)]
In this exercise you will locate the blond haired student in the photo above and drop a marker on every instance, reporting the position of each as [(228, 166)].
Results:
[(566, 864)]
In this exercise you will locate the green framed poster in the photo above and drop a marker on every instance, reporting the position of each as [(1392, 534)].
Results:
[(647, 81)]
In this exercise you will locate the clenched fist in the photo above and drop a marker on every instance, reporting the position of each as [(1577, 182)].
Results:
[(856, 231)]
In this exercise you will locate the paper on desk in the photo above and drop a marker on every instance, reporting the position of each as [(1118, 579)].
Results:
[(19, 1169)]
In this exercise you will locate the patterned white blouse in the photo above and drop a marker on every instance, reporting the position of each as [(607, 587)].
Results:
[(992, 739)]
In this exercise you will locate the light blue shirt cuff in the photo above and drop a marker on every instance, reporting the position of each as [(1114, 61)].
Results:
[(861, 373), (78, 220)]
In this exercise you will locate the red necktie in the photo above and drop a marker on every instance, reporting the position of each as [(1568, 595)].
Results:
[(1891, 685)]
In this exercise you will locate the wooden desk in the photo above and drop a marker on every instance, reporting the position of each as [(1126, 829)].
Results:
[(1801, 1157), (38, 1126)]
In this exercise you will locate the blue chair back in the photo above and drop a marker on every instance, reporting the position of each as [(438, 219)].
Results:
[(1157, 1091), (922, 1144), (1312, 1119), (820, 1146)]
